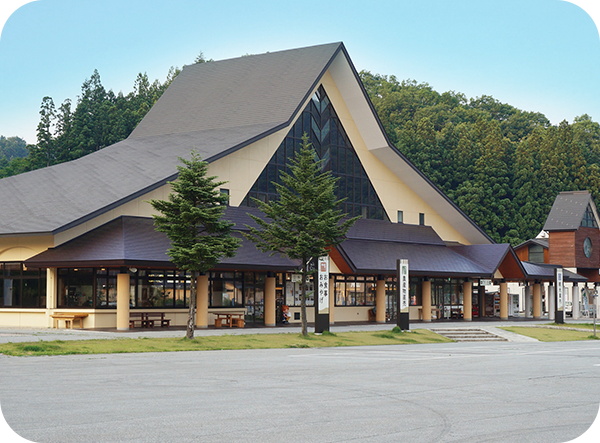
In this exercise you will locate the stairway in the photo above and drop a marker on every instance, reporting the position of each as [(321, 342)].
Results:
[(467, 334)]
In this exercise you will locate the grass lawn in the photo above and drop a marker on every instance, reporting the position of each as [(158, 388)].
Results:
[(248, 341), (547, 334), (589, 326)]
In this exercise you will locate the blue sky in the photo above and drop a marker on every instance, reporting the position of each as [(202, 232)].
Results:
[(537, 55)]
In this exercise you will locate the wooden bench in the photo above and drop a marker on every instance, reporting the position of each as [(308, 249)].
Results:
[(69, 318), (147, 319)]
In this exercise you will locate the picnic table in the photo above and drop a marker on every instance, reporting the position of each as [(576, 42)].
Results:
[(147, 319), (229, 319)]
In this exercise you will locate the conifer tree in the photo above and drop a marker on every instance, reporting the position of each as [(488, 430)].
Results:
[(305, 221), (192, 220)]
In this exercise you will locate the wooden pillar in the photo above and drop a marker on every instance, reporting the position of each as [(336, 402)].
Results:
[(503, 301), (426, 299), (537, 300), (270, 318), (468, 301), (331, 300), (380, 300), (202, 302), (123, 301)]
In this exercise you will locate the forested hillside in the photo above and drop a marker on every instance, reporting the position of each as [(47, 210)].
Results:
[(501, 165), (99, 118)]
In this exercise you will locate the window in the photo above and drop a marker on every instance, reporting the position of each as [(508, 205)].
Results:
[(422, 219), (354, 290), (225, 192), (589, 221), (536, 254), (400, 217), (21, 287), (333, 147)]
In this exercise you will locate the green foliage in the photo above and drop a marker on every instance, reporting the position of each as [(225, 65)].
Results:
[(192, 219), (502, 166), (305, 221)]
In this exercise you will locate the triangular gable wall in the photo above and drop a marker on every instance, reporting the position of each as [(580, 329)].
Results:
[(333, 147)]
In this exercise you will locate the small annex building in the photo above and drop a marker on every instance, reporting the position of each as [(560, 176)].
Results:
[(571, 240), (79, 237)]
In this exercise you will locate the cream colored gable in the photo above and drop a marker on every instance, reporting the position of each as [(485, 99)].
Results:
[(21, 248), (395, 194), (242, 168)]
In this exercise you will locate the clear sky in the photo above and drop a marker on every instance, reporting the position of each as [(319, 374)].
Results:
[(537, 55)]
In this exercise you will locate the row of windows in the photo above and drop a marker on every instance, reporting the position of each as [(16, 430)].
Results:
[(21, 287)]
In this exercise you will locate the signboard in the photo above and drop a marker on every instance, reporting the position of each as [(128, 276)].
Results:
[(296, 278), (323, 286), (484, 282), (560, 300), (404, 286)]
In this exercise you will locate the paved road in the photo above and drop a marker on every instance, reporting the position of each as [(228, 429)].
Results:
[(456, 392)]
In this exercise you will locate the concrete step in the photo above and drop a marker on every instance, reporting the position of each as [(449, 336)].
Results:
[(471, 335)]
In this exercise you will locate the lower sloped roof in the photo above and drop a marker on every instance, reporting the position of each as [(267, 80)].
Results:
[(545, 272), (133, 241)]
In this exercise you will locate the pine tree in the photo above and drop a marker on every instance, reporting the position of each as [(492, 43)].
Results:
[(306, 221), (192, 220)]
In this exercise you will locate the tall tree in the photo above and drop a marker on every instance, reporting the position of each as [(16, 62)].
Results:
[(43, 153), (192, 220), (305, 222)]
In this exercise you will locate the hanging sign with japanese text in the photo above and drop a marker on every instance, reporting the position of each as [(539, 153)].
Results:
[(323, 286)]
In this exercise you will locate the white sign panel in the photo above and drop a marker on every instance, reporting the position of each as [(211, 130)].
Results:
[(485, 282), (560, 301), (323, 287), (404, 286)]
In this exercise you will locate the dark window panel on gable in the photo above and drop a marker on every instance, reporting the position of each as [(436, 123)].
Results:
[(326, 133)]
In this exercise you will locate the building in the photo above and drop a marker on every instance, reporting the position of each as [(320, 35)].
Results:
[(78, 236)]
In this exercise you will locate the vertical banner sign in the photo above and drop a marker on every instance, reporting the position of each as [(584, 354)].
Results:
[(560, 301), (404, 286), (403, 294), (323, 285), (322, 295)]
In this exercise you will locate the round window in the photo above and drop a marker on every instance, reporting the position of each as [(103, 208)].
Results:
[(587, 247)]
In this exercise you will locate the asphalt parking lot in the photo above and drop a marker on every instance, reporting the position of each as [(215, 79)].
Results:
[(518, 391)]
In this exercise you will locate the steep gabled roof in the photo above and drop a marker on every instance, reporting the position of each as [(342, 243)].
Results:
[(215, 108), (568, 210)]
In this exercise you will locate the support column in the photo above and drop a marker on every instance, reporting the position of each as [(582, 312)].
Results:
[(51, 293), (528, 307), (537, 300), (468, 300), (551, 302), (575, 301), (380, 300), (503, 300), (270, 318), (574, 297), (426, 299), (331, 301), (202, 302), (123, 301)]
